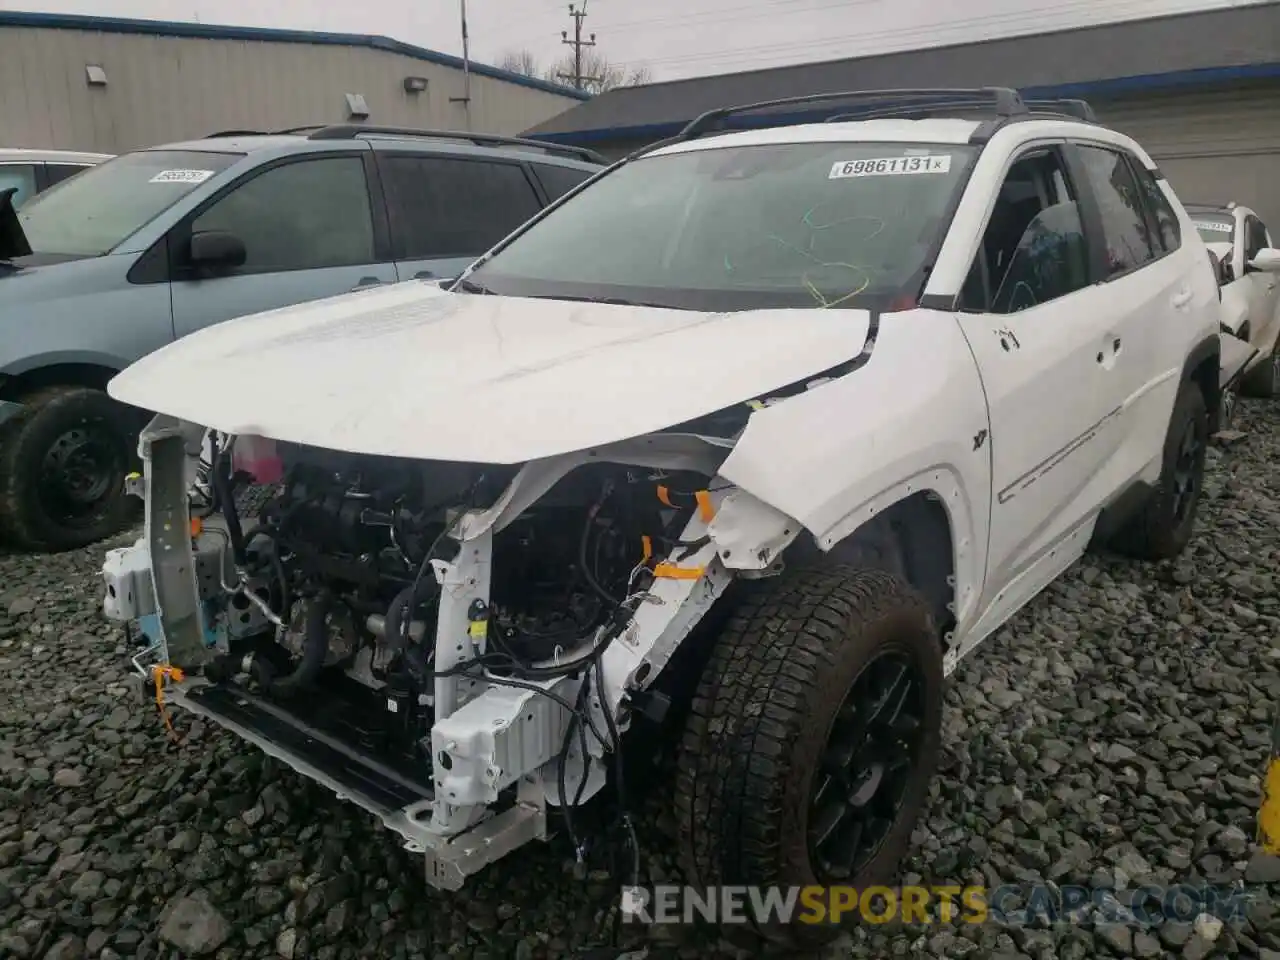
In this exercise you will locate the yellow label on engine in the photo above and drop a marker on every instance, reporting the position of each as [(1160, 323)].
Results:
[(479, 629)]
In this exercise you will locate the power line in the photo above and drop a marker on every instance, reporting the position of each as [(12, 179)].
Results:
[(1033, 17), (753, 11)]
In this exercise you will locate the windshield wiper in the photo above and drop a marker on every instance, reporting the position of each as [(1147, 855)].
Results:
[(612, 301), (470, 286)]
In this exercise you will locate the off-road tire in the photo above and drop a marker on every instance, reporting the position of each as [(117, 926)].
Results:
[(24, 441), (1155, 533), (759, 725), (1263, 381)]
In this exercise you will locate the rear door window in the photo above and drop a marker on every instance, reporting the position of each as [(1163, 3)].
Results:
[(1168, 235), (443, 207), (1129, 244)]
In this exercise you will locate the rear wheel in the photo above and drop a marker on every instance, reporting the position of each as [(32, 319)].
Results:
[(811, 741), (63, 463), (1162, 529)]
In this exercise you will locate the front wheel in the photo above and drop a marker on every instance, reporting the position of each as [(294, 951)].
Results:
[(811, 742), (63, 464)]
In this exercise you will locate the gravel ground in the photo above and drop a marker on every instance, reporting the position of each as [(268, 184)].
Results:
[(1115, 733)]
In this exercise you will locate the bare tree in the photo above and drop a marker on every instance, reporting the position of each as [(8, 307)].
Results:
[(520, 61), (598, 73)]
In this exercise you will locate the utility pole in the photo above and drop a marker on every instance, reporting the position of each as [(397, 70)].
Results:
[(576, 78), (465, 99)]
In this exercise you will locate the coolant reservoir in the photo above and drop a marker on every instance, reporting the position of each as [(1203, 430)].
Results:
[(257, 457)]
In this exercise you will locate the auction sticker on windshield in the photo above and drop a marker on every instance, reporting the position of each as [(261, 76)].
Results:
[(182, 176), (1215, 227), (890, 166)]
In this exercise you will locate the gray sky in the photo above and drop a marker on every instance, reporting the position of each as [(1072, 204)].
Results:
[(675, 38)]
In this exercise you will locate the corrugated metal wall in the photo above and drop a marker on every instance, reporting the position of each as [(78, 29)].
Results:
[(167, 88), (1213, 146)]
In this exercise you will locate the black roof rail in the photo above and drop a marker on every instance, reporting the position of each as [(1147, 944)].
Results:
[(264, 133), (1005, 101), (1079, 109), (349, 131), (916, 111), (234, 133)]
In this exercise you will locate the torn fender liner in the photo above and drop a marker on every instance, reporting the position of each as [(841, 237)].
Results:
[(414, 371), (13, 239)]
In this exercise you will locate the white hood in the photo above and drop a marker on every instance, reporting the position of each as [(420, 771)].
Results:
[(414, 371)]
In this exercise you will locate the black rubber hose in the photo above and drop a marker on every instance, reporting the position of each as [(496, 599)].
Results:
[(226, 500), (315, 648)]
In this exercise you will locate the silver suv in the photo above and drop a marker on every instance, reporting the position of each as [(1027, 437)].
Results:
[(153, 245), (29, 172)]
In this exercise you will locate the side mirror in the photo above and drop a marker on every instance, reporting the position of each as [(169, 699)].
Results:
[(1267, 260), (217, 249)]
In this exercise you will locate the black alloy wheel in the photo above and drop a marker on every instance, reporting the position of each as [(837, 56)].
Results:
[(873, 745)]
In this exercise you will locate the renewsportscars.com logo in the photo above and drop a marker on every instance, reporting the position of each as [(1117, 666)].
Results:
[(1009, 905)]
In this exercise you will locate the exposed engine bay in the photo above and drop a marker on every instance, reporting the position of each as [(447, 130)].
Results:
[(455, 647), (338, 564)]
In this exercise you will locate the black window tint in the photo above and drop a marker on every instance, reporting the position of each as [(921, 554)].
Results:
[(1125, 233), (57, 172), (1050, 261), (451, 207), (1168, 234), (305, 215), (557, 181), (1033, 249), (1255, 237)]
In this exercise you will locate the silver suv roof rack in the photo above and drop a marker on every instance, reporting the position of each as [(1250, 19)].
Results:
[(350, 131)]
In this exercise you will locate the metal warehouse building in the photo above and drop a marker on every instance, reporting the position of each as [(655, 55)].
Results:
[(110, 85), (1200, 91)]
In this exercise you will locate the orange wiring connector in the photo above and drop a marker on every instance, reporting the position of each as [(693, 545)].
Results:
[(159, 674)]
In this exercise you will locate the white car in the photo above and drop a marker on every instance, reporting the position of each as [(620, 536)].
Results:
[(1248, 262), (29, 172), (755, 435)]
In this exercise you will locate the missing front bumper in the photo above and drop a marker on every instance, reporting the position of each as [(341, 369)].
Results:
[(400, 800)]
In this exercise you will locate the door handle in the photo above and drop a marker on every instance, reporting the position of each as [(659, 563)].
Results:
[(1181, 299), (1106, 357), (366, 282)]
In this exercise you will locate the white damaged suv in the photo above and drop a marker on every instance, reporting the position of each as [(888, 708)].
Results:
[(749, 439)]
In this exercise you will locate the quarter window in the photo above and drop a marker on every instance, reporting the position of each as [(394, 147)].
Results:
[(307, 215), (557, 181), (57, 172), (21, 176), (1126, 235), (450, 207)]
